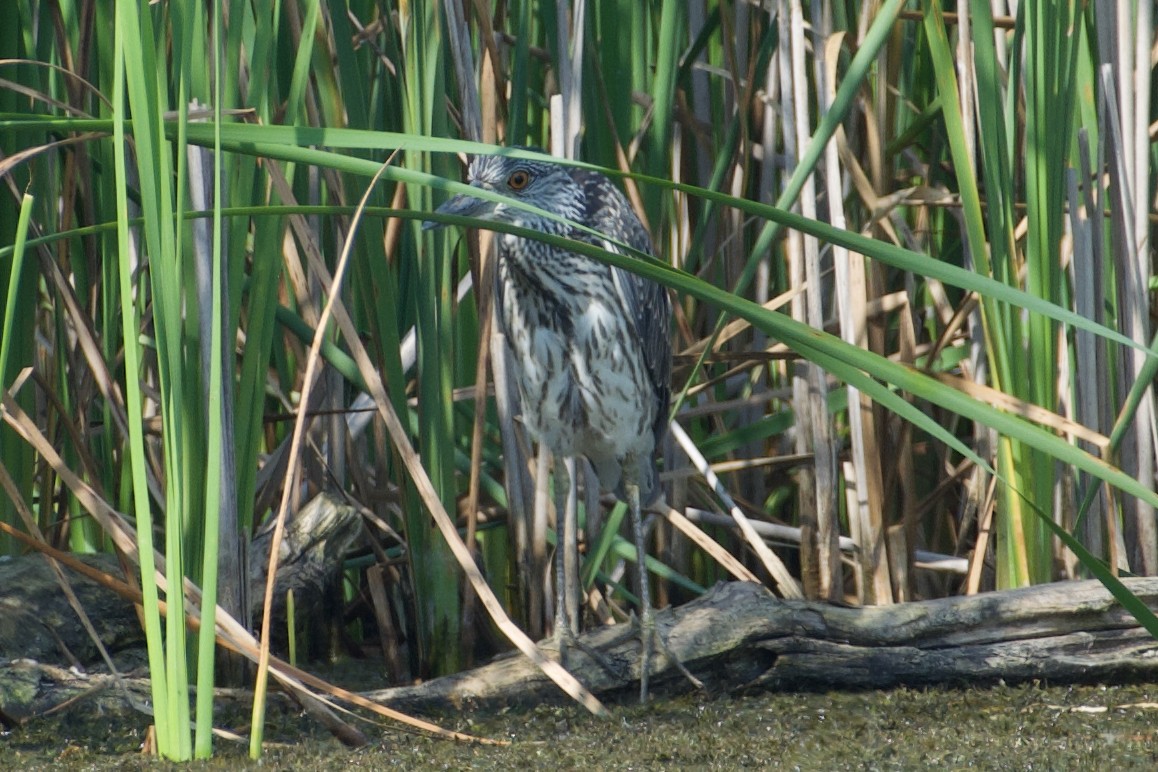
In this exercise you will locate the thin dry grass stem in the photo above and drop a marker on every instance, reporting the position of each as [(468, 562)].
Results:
[(744, 368), (519, 481), (8, 163), (495, 73), (955, 329), (786, 535), (820, 564), (108, 518), (945, 486), (737, 327), (463, 58), (708, 545), (539, 565), (981, 547), (951, 19), (68, 73), (878, 204), (68, 424), (707, 408), (785, 583), (902, 536), (380, 601), (393, 230), (727, 467), (478, 428), (571, 33), (631, 188), (863, 477), (967, 78), (333, 288), (1036, 413)]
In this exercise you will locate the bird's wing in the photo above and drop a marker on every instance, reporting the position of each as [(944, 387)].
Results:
[(647, 303)]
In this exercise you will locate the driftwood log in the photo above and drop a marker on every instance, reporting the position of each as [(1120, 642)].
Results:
[(37, 622), (739, 635), (736, 636), (45, 650)]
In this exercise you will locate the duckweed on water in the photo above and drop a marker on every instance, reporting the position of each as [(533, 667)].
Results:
[(1023, 727)]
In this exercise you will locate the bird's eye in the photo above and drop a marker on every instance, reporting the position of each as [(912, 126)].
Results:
[(519, 180)]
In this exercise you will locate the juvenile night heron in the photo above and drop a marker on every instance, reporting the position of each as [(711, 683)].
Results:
[(591, 342)]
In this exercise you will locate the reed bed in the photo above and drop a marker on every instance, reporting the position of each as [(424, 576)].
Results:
[(909, 247)]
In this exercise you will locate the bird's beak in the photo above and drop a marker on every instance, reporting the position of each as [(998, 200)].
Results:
[(463, 205)]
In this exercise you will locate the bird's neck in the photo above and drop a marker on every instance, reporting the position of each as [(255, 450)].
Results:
[(545, 275)]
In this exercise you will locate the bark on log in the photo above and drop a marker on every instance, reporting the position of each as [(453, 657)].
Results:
[(740, 636), (737, 636), (39, 630)]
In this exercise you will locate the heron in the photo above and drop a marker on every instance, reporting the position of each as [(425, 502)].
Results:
[(591, 342)]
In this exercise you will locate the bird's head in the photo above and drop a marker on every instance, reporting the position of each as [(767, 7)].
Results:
[(538, 183)]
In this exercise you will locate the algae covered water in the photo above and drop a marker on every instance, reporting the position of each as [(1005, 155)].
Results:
[(1018, 727)]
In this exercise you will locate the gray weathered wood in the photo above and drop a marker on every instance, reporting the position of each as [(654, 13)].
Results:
[(736, 636), (39, 630), (740, 636)]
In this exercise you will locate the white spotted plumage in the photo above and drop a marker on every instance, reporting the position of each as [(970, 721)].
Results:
[(592, 356), (590, 342)]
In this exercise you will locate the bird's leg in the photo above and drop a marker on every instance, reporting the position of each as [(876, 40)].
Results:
[(646, 619), (649, 637), (570, 542), (565, 634), (565, 629)]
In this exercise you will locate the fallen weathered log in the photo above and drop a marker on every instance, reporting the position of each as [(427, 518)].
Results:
[(39, 629), (739, 635), (37, 622)]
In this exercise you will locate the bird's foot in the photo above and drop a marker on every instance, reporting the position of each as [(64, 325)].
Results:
[(650, 640), (564, 640)]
